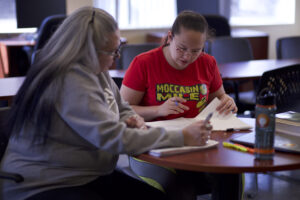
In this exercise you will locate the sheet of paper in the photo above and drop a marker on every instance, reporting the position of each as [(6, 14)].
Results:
[(219, 122), (180, 150), (212, 107)]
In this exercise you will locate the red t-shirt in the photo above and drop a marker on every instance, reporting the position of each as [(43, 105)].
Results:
[(150, 72)]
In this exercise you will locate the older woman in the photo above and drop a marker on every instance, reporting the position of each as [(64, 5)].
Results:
[(68, 123)]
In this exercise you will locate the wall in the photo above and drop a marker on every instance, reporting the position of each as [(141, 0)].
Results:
[(74, 4), (275, 32)]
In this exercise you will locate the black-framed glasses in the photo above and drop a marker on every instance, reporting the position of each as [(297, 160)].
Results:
[(115, 53)]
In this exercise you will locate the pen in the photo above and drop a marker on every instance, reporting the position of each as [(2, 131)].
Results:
[(176, 103), (208, 117), (238, 147), (206, 124)]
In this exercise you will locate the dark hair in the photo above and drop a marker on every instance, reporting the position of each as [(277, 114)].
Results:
[(189, 20)]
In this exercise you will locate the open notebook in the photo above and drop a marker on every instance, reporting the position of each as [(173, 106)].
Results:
[(219, 122)]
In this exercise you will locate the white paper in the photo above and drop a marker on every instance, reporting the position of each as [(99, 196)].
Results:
[(180, 150), (218, 122)]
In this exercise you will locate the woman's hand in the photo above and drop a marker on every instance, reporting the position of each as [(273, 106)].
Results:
[(172, 106), (136, 121), (227, 105), (197, 134)]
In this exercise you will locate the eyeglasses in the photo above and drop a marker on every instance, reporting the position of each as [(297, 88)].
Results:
[(115, 53), (183, 50)]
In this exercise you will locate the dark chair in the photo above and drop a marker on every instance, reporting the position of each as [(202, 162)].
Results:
[(47, 28), (118, 81), (226, 50), (218, 25), (129, 51), (288, 47), (3, 143), (229, 49), (285, 83)]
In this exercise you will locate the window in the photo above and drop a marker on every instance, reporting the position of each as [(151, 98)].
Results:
[(137, 14), (262, 12)]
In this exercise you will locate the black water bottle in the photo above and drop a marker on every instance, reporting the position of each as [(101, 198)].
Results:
[(265, 111)]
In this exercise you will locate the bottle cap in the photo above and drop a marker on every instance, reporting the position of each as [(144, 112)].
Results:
[(266, 98)]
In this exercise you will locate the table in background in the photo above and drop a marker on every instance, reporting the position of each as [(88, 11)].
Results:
[(225, 160), (259, 40), (13, 58), (253, 69), (9, 88), (231, 71), (15, 62), (238, 70)]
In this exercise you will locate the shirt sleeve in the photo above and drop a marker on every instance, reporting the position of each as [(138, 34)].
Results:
[(84, 108), (135, 77)]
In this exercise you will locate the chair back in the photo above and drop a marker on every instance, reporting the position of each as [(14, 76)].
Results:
[(218, 25), (285, 83), (288, 47), (47, 28), (228, 49), (129, 51)]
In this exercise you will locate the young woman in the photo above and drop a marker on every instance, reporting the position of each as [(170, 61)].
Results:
[(68, 123), (176, 80)]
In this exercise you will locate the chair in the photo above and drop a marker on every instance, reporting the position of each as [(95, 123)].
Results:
[(47, 28), (118, 81), (218, 24), (288, 47), (285, 83), (228, 49), (3, 143), (129, 51)]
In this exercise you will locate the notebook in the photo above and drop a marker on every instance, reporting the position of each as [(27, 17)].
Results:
[(219, 122), (179, 150), (282, 142), (288, 122)]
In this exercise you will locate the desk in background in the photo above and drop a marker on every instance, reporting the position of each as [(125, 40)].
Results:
[(230, 71), (13, 60), (225, 160), (9, 88), (238, 70), (259, 40), (253, 69)]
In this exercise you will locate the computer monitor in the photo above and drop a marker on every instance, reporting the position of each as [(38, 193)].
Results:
[(30, 13)]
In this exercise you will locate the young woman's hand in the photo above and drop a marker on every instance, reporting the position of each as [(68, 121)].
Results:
[(227, 105), (196, 134), (172, 106), (136, 121)]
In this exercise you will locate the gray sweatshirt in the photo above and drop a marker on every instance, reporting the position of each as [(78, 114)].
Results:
[(86, 137)]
